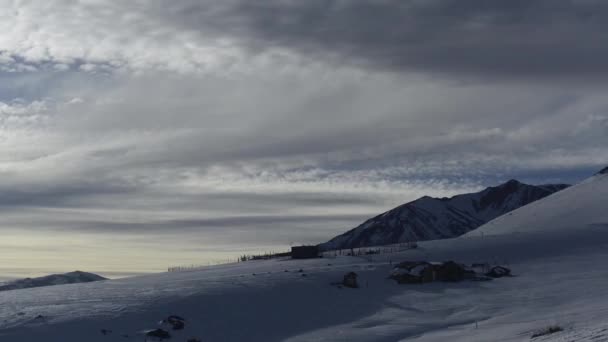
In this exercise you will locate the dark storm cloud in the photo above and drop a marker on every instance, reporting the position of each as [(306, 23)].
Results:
[(521, 37), (69, 195), (258, 222)]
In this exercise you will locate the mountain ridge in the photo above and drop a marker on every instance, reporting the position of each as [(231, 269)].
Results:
[(561, 213), (429, 218)]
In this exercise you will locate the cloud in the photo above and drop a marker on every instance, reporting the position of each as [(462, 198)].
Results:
[(520, 39)]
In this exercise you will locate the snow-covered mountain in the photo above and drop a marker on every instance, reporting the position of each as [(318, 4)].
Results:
[(50, 280), (430, 218), (584, 205)]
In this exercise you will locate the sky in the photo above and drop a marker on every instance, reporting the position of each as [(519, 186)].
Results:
[(137, 135)]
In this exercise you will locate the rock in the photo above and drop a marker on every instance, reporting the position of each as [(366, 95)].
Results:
[(499, 272), (159, 334), (415, 272), (350, 280), (450, 271), (176, 322)]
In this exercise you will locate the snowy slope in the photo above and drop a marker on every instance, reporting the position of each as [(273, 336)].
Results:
[(582, 205), (558, 262), (430, 218), (230, 303), (50, 280)]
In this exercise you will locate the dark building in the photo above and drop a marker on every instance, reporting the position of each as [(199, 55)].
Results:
[(304, 252)]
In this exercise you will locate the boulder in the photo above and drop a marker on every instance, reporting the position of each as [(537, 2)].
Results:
[(158, 334), (176, 322), (350, 280), (413, 272), (450, 271), (499, 272)]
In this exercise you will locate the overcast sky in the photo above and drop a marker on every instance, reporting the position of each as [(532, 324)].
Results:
[(140, 134)]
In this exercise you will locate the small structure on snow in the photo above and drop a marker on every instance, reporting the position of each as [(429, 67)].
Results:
[(304, 252)]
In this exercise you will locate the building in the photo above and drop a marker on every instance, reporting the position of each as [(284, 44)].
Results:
[(304, 252)]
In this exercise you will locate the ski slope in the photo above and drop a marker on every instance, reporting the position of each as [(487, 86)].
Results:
[(556, 247)]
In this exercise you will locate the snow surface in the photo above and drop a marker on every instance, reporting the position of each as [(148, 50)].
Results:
[(557, 249), (583, 204)]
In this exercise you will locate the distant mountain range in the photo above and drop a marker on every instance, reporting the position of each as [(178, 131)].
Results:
[(53, 279), (429, 218)]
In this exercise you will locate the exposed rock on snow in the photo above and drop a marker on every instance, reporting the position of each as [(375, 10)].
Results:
[(158, 334), (176, 322), (350, 280), (413, 272), (430, 218), (499, 272), (53, 279)]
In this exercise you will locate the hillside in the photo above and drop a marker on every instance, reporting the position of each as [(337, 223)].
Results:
[(584, 205), (50, 280), (430, 218)]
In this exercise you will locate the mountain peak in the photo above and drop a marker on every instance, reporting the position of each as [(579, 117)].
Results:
[(603, 171), (429, 218), (511, 183)]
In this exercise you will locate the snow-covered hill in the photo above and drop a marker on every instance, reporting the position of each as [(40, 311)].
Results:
[(583, 205), (50, 280), (556, 247), (430, 218)]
